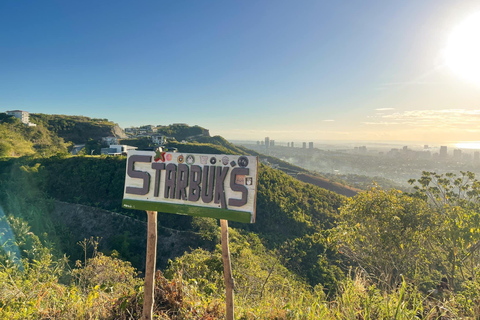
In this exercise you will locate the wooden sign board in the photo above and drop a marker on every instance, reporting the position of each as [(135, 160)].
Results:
[(207, 185)]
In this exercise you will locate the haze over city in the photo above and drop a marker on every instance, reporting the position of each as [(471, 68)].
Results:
[(291, 70)]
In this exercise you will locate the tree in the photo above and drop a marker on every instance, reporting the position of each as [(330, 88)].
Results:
[(384, 232), (455, 236)]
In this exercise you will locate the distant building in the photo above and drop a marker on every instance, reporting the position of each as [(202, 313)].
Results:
[(288, 144), (362, 149), (267, 142), (310, 145), (272, 143), (304, 145), (457, 154), (258, 142), (24, 117), (158, 139), (476, 157), (443, 152), (116, 150), (292, 144), (131, 131)]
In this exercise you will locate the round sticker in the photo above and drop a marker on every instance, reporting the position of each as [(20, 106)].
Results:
[(243, 161), (180, 158), (213, 160), (225, 160), (169, 157), (190, 159)]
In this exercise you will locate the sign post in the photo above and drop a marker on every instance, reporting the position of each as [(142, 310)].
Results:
[(227, 271), (216, 186), (149, 286)]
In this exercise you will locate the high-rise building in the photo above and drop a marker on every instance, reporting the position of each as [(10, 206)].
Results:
[(443, 151), (267, 142), (457, 154), (272, 143), (292, 144), (304, 145), (310, 145)]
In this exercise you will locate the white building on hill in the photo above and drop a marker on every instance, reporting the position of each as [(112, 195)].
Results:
[(24, 116)]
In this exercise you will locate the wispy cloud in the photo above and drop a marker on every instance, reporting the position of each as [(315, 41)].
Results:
[(441, 119), (384, 109), (329, 120)]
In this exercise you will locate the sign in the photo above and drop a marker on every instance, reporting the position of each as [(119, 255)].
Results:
[(216, 186)]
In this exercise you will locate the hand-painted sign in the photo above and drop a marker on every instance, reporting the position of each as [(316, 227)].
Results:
[(217, 186)]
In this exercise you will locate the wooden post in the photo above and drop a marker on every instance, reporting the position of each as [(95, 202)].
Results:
[(227, 270), (148, 294)]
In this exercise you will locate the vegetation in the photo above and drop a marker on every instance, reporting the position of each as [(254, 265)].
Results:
[(181, 131), (16, 139), (383, 254), (77, 129)]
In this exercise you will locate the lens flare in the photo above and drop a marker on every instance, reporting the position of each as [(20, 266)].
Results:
[(7, 241)]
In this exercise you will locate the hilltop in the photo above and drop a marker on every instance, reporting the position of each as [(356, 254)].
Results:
[(77, 129)]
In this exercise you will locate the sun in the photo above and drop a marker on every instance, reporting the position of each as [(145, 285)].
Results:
[(462, 53)]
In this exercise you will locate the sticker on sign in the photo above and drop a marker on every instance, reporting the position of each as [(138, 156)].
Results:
[(208, 185)]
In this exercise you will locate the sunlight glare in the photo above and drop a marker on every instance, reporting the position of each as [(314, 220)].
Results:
[(468, 145), (462, 53)]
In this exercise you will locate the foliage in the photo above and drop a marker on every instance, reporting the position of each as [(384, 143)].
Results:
[(17, 139), (315, 258), (455, 237), (220, 141), (77, 129), (97, 271), (257, 271), (182, 131), (385, 233), (174, 300), (288, 208), (41, 288)]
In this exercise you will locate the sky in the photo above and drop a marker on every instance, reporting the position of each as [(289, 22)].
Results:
[(290, 70)]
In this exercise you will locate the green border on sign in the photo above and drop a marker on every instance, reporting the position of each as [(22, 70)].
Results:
[(217, 213)]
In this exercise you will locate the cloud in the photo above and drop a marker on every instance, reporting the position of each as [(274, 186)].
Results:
[(439, 119), (384, 109), (328, 120)]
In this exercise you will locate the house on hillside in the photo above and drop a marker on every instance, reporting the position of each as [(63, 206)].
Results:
[(117, 150), (24, 116), (131, 131), (158, 139)]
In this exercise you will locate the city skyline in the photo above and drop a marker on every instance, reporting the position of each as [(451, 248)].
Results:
[(294, 71)]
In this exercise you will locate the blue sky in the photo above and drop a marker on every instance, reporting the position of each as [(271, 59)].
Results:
[(291, 70)]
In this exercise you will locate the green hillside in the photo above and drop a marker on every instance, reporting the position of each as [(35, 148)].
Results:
[(312, 253), (77, 129), (16, 139)]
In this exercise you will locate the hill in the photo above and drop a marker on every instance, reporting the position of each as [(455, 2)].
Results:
[(327, 184), (77, 129), (297, 261), (16, 139)]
